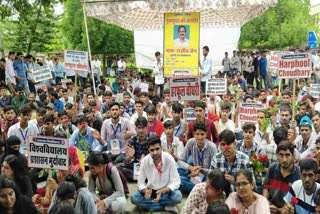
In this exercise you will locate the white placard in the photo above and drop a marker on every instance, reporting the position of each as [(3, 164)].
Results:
[(190, 116), (144, 87), (274, 58), (216, 86), (248, 111), (185, 88), (41, 73), (48, 152), (315, 90), (76, 60), (295, 66)]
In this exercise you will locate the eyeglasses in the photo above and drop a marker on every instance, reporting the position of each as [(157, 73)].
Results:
[(155, 149), (242, 184)]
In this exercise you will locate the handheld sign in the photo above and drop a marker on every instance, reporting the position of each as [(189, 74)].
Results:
[(136, 170), (295, 66), (185, 88), (144, 87), (248, 111), (216, 86), (76, 60), (115, 146), (41, 73), (48, 152), (190, 116), (315, 90), (274, 58)]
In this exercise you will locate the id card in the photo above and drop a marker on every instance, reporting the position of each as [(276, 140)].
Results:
[(115, 146)]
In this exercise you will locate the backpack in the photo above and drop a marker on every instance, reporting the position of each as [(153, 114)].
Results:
[(122, 177)]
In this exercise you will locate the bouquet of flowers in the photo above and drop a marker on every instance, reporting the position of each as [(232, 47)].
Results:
[(258, 162)]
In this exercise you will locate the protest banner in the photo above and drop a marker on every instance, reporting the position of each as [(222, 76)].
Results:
[(295, 66), (216, 86), (274, 58), (181, 43), (185, 88), (315, 90), (48, 152), (190, 116), (41, 73), (40, 85), (248, 111), (76, 60), (144, 87)]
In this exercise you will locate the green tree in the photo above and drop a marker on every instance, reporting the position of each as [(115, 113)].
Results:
[(263, 31), (104, 38)]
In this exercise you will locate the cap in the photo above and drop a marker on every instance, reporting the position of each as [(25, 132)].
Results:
[(305, 121), (50, 105)]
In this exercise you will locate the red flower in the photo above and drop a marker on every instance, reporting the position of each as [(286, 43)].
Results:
[(227, 147), (262, 158), (234, 211), (303, 99), (271, 103), (41, 191), (277, 93), (255, 157), (294, 200)]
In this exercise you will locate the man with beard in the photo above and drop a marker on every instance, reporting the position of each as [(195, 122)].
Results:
[(159, 169), (303, 190), (94, 122), (58, 105), (305, 142), (280, 176), (200, 152), (9, 119), (5, 99), (137, 148), (38, 121), (116, 128), (23, 129), (315, 117), (129, 106), (154, 126)]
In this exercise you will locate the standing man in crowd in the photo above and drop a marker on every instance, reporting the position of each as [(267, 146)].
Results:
[(20, 70), (206, 68), (159, 75), (121, 66)]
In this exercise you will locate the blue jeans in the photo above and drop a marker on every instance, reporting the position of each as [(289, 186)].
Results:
[(168, 199), (186, 185)]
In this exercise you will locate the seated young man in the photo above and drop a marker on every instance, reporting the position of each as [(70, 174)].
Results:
[(195, 160), (160, 192)]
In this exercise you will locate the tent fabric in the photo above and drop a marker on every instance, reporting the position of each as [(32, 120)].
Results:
[(148, 14)]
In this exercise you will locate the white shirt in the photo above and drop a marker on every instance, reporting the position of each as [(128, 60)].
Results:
[(168, 178), (179, 43), (121, 65), (177, 145), (70, 72), (35, 122), (206, 68), (70, 100), (10, 73), (226, 64), (23, 135), (159, 79), (234, 62), (135, 116), (247, 61), (96, 66), (229, 125)]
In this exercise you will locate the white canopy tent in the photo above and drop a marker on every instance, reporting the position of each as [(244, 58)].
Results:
[(221, 21)]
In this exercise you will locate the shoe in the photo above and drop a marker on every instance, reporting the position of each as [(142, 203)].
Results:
[(171, 209)]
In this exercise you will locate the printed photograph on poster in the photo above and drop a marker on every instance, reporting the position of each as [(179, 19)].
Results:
[(216, 86), (190, 116), (115, 146), (248, 112), (295, 66), (181, 35), (185, 88), (48, 152), (136, 170)]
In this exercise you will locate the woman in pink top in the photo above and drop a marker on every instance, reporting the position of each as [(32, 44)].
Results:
[(245, 200)]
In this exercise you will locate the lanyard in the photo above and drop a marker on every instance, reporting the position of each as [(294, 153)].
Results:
[(115, 130), (178, 129), (24, 136), (312, 197), (232, 166), (152, 128), (200, 155)]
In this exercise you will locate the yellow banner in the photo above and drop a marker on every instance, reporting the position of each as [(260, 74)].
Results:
[(181, 43)]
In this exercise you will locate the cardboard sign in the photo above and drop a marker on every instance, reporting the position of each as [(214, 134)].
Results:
[(136, 170), (315, 90), (216, 86), (76, 60), (115, 146), (41, 73), (274, 58), (48, 152), (248, 111), (295, 66), (190, 116), (144, 87), (185, 88), (40, 85)]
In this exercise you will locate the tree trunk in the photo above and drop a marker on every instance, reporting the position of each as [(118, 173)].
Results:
[(34, 28)]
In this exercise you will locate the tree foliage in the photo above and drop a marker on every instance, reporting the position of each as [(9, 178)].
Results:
[(263, 31), (104, 38)]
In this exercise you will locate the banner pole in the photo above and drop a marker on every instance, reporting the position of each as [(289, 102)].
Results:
[(293, 99), (89, 49)]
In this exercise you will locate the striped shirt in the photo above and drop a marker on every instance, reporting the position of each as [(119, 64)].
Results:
[(254, 149)]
